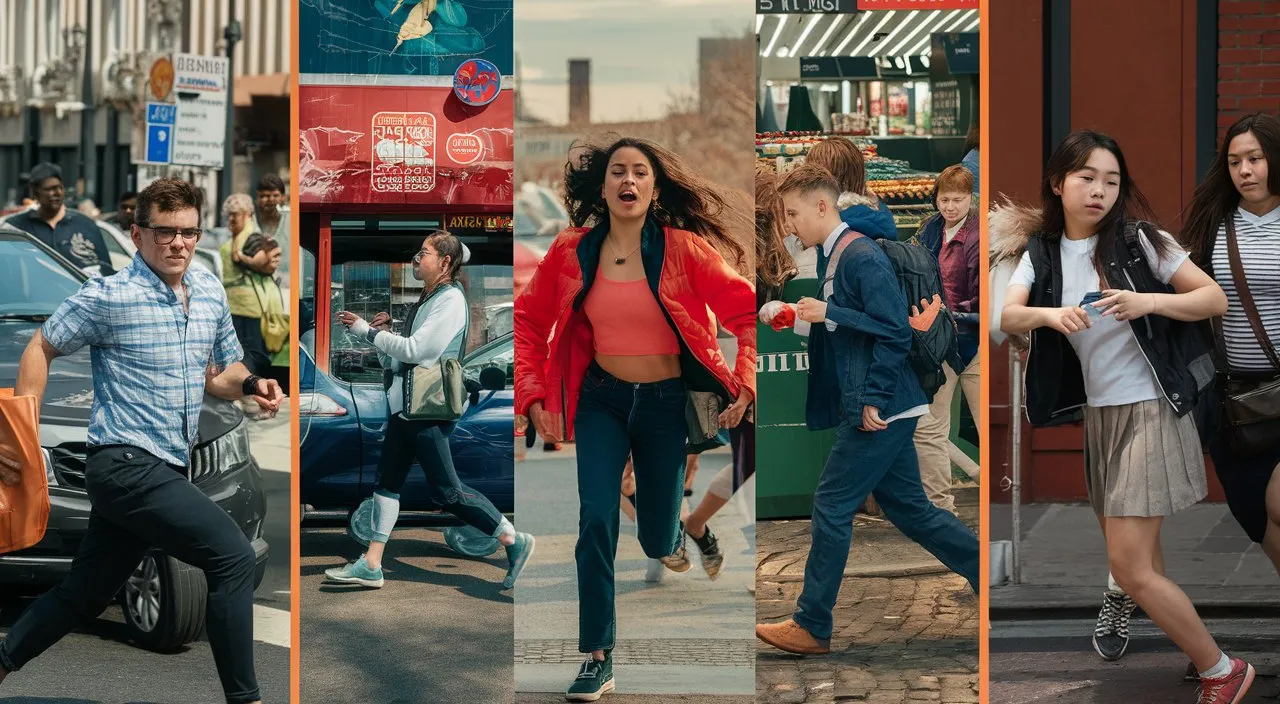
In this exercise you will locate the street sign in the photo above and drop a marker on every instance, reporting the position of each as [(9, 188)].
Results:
[(159, 135), (200, 86), (806, 7)]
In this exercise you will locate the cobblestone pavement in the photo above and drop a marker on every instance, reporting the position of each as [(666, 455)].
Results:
[(906, 628)]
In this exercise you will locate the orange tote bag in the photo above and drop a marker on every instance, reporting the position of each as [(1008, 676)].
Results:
[(24, 507)]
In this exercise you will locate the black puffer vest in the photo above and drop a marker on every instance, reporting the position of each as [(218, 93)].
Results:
[(1178, 353)]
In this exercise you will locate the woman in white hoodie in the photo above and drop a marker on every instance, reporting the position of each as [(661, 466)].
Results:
[(437, 326)]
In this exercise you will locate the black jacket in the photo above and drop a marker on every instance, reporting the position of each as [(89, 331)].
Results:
[(1178, 352)]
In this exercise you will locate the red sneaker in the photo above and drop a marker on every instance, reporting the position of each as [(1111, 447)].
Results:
[(1226, 690)]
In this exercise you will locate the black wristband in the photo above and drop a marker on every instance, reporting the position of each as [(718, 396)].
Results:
[(250, 386)]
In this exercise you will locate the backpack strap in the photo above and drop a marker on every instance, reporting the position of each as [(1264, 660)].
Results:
[(841, 243)]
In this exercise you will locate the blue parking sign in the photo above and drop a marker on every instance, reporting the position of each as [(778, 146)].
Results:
[(159, 143)]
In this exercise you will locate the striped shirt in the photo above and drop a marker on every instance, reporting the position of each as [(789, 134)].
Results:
[(1259, 238), (149, 355)]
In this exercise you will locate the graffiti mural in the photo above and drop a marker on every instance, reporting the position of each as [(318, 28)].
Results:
[(403, 37)]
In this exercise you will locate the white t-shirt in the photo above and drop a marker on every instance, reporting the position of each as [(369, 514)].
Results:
[(1115, 371), (949, 233)]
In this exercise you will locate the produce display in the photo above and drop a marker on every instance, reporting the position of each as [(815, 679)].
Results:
[(893, 180)]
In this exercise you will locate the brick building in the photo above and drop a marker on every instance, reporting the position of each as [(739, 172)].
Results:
[(1166, 92)]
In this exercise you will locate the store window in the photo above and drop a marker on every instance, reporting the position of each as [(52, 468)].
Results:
[(367, 288)]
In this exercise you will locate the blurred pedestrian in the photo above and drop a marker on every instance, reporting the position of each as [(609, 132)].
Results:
[(72, 234), (242, 271), (123, 217)]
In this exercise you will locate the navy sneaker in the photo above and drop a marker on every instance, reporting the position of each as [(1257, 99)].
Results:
[(595, 679)]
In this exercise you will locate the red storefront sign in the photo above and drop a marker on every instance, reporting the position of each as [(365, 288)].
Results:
[(370, 145), (918, 4)]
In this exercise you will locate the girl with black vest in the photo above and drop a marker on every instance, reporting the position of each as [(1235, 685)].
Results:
[(1105, 298), (1240, 199)]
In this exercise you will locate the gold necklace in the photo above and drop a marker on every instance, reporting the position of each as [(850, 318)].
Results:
[(623, 259)]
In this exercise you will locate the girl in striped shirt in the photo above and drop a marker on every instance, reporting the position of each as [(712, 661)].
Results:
[(1241, 186)]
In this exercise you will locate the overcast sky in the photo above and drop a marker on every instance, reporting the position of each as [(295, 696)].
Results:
[(640, 51)]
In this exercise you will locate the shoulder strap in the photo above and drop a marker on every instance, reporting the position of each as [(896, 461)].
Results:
[(845, 238), (1246, 296)]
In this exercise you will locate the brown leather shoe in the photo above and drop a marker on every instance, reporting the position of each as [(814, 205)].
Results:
[(791, 637)]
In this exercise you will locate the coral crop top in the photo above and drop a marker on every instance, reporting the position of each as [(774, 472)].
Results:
[(627, 320)]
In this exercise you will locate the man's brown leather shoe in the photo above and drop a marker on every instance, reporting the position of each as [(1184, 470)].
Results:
[(791, 637)]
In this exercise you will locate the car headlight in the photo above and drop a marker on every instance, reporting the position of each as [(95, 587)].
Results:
[(233, 448), (48, 467)]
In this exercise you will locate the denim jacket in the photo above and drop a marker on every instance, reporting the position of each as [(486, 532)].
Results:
[(865, 358)]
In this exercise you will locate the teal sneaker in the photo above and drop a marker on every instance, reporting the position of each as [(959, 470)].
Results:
[(518, 554), (595, 678), (357, 572)]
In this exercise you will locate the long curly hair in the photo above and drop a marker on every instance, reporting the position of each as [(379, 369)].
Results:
[(774, 265), (688, 201)]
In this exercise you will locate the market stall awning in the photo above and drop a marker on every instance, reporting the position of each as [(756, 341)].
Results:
[(878, 33)]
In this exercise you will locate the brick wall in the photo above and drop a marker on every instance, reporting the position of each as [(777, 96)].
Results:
[(1248, 59)]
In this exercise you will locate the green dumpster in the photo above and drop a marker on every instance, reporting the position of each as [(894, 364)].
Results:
[(789, 457)]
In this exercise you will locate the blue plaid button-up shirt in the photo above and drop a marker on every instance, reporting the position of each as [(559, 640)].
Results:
[(149, 355)]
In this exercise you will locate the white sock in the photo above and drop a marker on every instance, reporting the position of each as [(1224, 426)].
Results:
[(1222, 669), (505, 532), (1111, 584)]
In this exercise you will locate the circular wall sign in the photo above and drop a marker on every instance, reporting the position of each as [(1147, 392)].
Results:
[(161, 78), (477, 82)]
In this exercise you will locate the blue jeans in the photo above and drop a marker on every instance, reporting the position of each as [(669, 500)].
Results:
[(616, 418), (882, 464)]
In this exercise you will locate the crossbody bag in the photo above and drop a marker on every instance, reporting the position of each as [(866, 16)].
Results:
[(438, 391), (1251, 406)]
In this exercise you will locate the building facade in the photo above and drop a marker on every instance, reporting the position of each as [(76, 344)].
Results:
[(1166, 93), (44, 45)]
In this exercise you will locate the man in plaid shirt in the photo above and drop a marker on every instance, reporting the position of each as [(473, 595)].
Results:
[(160, 336)]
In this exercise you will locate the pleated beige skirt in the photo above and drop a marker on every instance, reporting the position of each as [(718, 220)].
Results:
[(1141, 459)]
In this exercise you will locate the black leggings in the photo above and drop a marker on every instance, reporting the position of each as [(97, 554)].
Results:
[(428, 442)]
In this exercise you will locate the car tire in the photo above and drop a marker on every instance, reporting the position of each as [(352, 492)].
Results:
[(164, 603)]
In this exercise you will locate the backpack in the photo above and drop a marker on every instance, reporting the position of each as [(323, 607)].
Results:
[(919, 278)]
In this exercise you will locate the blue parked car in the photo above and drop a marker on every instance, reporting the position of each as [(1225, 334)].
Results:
[(343, 425)]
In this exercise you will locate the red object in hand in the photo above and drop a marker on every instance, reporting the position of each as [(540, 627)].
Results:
[(785, 318)]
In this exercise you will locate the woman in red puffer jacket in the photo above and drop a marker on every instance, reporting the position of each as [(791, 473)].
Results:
[(613, 332)]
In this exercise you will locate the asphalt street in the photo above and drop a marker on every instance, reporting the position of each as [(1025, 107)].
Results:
[(439, 630), (1034, 662), (95, 665)]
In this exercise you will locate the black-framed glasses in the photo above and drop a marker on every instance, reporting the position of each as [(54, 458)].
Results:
[(165, 235)]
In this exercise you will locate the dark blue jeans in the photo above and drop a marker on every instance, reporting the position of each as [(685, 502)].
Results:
[(882, 464), (428, 442), (138, 503), (616, 418)]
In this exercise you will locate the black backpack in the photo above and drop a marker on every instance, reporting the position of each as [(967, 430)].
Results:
[(919, 278)]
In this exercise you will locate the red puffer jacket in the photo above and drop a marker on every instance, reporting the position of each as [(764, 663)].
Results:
[(692, 281)]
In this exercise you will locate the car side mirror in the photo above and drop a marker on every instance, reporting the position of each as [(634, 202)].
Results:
[(493, 379)]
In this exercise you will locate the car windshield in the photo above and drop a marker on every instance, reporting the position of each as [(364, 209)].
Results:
[(31, 282)]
